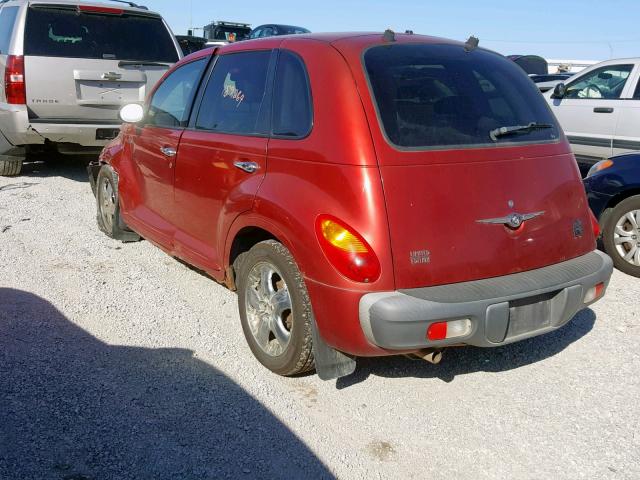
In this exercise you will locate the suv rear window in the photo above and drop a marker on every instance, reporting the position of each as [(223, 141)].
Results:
[(440, 96), (58, 32)]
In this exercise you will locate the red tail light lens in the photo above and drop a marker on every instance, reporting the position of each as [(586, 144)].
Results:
[(14, 85), (594, 224), (347, 250)]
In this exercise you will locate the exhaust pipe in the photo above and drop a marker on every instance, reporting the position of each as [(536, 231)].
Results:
[(431, 355)]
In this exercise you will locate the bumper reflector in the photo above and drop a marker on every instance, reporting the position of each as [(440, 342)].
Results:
[(594, 293), (451, 329)]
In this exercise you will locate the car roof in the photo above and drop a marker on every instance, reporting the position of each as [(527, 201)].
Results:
[(348, 40), (124, 6)]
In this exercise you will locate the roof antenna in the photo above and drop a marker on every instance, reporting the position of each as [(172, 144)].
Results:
[(389, 35), (471, 44)]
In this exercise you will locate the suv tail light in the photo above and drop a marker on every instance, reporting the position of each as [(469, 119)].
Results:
[(14, 85), (347, 250), (594, 224)]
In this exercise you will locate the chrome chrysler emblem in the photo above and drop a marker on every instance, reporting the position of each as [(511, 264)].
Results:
[(514, 220)]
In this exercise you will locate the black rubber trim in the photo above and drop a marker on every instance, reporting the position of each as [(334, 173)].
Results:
[(511, 285), (75, 121), (626, 144), (590, 141)]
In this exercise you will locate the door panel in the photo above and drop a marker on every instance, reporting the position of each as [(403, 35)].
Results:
[(627, 136), (590, 110), (156, 174), (210, 191)]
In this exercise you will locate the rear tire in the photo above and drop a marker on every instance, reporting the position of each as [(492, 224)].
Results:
[(275, 310), (621, 235), (11, 166), (108, 207)]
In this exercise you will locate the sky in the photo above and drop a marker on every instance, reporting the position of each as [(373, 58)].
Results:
[(556, 29)]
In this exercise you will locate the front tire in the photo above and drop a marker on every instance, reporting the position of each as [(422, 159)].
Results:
[(108, 207), (275, 310), (621, 235)]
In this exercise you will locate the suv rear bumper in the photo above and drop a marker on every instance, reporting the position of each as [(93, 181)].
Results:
[(501, 310), (18, 130)]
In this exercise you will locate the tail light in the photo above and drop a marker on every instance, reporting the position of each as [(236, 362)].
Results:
[(14, 85), (450, 329), (347, 250), (594, 293), (594, 224)]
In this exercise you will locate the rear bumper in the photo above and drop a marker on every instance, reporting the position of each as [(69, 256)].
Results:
[(19, 130), (502, 310)]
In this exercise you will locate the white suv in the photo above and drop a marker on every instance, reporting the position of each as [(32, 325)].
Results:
[(67, 67), (599, 109)]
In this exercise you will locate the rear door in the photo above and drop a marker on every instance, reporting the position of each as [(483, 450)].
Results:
[(465, 199), (627, 136), (155, 149), (222, 158), (590, 110), (83, 63)]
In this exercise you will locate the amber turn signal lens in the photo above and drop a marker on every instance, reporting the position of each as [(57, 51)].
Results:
[(347, 250)]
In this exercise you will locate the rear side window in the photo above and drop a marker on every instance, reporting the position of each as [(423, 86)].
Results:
[(234, 99), (7, 21), (57, 32), (440, 96), (171, 103), (292, 109)]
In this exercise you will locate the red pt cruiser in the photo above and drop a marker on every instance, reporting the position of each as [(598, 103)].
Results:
[(365, 194)]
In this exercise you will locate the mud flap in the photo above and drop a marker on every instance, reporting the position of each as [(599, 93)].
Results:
[(330, 363)]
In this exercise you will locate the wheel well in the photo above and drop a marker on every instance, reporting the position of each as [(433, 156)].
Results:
[(622, 196), (245, 239)]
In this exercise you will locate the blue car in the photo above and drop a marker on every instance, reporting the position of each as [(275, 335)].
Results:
[(613, 189)]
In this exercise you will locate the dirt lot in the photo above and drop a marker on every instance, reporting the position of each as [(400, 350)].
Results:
[(117, 362)]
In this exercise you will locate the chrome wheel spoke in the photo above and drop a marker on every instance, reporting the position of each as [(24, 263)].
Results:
[(636, 257), (630, 254), (268, 308), (281, 302), (622, 240), (261, 332), (632, 219), (266, 275)]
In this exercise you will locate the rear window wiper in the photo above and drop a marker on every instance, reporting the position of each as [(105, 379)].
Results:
[(142, 63), (502, 131)]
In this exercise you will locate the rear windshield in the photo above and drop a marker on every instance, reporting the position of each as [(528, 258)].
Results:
[(440, 96), (56, 32)]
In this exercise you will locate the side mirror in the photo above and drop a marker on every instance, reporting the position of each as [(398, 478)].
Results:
[(132, 113), (560, 91)]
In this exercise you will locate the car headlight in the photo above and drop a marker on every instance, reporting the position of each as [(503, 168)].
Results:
[(598, 167)]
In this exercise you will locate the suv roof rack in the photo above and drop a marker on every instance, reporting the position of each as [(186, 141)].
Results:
[(131, 4), (228, 24)]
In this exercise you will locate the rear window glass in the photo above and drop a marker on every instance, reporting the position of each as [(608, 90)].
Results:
[(440, 96), (54, 32), (7, 20)]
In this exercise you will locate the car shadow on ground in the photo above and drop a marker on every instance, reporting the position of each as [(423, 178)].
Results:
[(73, 167), (465, 360), (75, 408)]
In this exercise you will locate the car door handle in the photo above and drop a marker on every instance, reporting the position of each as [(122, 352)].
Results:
[(603, 110), (249, 167), (168, 151)]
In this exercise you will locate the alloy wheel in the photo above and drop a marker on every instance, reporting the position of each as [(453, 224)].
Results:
[(269, 310), (626, 237)]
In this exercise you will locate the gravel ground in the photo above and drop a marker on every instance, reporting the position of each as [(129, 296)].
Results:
[(118, 362)]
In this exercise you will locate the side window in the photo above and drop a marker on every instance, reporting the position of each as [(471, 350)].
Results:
[(256, 33), (235, 95), (171, 103), (292, 108), (636, 95), (603, 83), (7, 21)]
